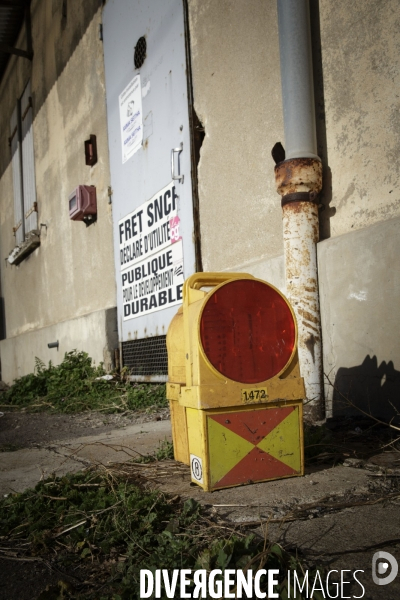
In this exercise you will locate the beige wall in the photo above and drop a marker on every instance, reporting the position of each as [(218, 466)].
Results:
[(95, 333), (71, 274), (359, 282), (237, 95), (361, 75)]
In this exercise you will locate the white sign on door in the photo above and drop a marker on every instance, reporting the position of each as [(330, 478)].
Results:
[(151, 255), (131, 118)]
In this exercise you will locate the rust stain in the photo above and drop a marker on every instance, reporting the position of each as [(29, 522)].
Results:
[(301, 207), (298, 174), (294, 207), (310, 326), (308, 316), (309, 300)]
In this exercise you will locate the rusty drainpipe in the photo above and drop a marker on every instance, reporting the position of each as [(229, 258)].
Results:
[(298, 175)]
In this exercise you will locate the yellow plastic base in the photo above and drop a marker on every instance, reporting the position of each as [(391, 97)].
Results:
[(245, 445)]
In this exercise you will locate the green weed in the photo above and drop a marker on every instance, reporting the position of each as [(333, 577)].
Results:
[(73, 386), (96, 518), (9, 448), (165, 451)]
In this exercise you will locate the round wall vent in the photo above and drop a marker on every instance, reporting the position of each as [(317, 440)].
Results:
[(140, 52)]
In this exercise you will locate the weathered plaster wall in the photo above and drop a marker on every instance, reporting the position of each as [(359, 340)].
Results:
[(96, 333), (359, 277), (237, 96), (269, 269), (71, 274), (360, 47)]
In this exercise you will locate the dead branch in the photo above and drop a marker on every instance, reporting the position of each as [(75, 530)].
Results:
[(70, 528), (301, 512)]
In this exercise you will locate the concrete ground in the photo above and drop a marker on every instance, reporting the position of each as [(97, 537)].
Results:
[(336, 517), (21, 469)]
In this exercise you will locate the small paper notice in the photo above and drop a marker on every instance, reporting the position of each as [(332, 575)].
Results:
[(131, 118)]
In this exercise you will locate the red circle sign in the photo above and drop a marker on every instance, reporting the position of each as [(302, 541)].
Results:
[(247, 331)]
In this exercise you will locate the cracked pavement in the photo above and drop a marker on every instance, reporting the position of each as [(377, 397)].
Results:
[(336, 517)]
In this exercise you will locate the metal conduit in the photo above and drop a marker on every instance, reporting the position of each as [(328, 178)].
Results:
[(297, 79), (299, 180)]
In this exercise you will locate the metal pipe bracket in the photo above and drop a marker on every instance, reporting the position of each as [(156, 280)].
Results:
[(299, 176), (300, 197)]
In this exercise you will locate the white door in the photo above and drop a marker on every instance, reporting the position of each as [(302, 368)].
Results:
[(149, 142)]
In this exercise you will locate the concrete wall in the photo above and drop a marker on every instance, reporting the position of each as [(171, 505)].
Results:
[(359, 278), (269, 269), (237, 97), (96, 333), (71, 274), (360, 50)]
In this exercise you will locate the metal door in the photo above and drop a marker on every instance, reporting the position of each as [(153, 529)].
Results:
[(149, 142)]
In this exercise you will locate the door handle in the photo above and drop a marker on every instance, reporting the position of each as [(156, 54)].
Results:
[(175, 151)]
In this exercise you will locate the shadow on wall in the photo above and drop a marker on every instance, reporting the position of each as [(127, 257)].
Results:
[(326, 211), (369, 387)]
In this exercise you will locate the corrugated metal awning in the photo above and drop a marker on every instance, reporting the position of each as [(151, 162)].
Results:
[(13, 14)]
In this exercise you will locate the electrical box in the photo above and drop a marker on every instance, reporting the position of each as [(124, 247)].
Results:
[(83, 204), (234, 382)]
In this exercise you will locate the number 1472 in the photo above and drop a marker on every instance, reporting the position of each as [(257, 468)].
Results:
[(255, 395)]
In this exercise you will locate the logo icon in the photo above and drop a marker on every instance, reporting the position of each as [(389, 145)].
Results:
[(129, 112), (197, 468), (384, 564), (178, 270), (174, 224)]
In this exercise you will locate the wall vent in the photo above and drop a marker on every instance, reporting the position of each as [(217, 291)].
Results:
[(146, 359), (140, 52)]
